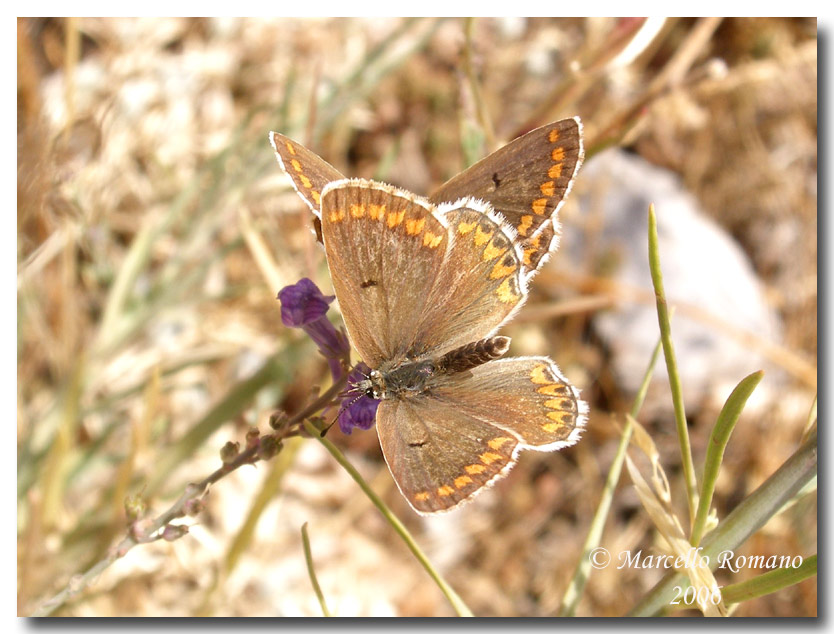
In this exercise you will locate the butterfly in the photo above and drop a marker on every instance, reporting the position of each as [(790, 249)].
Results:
[(424, 285)]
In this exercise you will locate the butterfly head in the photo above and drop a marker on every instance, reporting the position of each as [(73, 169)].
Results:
[(372, 386)]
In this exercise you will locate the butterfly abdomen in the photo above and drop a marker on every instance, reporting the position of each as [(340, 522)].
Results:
[(417, 377), (473, 354)]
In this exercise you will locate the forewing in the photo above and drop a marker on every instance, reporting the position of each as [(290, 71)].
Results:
[(307, 170), (384, 248), (526, 181)]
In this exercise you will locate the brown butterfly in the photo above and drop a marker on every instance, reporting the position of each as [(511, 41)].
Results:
[(424, 285)]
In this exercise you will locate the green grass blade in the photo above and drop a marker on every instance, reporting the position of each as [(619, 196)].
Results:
[(308, 556), (671, 365), (718, 440), (769, 582)]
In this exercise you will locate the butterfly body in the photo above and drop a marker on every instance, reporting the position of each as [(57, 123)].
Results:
[(419, 377)]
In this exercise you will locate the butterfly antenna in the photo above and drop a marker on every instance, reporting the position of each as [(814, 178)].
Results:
[(333, 422), (351, 390), (342, 408)]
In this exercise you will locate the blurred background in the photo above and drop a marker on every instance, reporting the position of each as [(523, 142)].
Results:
[(155, 228)]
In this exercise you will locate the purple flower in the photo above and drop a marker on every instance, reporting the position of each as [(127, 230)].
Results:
[(358, 409), (303, 306)]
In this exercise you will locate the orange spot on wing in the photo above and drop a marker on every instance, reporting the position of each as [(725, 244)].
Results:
[(552, 427), (500, 270), (558, 154), (553, 136), (445, 491), (524, 225), (553, 389), (395, 218), (559, 403), (431, 240), (290, 148), (497, 443), (491, 252), (296, 166), (537, 375), (474, 469), (481, 236), (357, 211), (377, 212), (560, 417), (539, 206), (466, 227), (413, 227), (506, 292), (555, 171), (547, 188), (488, 457), (462, 481)]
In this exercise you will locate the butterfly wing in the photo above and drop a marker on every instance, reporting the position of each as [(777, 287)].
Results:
[(526, 181), (307, 170), (446, 445), (480, 285), (439, 456), (413, 280), (384, 248), (527, 397)]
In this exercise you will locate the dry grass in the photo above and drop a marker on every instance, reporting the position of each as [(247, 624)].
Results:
[(155, 228)]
